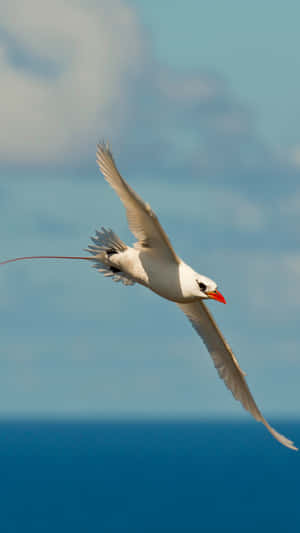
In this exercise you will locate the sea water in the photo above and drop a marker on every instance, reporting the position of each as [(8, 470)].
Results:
[(147, 476)]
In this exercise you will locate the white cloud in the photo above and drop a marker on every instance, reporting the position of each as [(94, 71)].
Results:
[(95, 47), (74, 71)]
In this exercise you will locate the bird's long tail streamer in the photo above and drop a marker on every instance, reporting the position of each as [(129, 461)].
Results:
[(45, 257)]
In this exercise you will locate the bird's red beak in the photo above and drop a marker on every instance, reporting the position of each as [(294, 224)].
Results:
[(216, 295)]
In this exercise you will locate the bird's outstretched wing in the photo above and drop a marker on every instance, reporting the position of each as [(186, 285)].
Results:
[(226, 363), (142, 220)]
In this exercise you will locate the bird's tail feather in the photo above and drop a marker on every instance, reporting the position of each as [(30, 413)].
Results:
[(106, 241), (106, 244)]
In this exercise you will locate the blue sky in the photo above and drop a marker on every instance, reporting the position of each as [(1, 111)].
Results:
[(202, 110)]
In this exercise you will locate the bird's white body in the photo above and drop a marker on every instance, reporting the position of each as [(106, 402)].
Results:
[(169, 279)]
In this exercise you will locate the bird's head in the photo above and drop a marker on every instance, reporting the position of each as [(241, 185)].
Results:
[(207, 289)]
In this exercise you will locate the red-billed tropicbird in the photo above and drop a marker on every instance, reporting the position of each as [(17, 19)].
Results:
[(152, 262)]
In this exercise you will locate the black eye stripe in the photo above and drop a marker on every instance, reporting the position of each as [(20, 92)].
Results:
[(202, 286)]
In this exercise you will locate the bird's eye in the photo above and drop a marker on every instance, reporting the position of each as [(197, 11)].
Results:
[(202, 286)]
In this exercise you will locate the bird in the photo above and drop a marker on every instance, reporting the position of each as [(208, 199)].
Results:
[(153, 263)]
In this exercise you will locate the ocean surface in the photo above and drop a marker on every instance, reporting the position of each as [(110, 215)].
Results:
[(142, 476)]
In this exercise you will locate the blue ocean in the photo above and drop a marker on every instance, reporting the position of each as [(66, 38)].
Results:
[(152, 476)]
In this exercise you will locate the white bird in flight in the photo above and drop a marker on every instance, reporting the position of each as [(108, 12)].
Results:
[(152, 262)]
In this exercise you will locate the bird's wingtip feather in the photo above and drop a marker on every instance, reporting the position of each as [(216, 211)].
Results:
[(103, 146), (281, 438), (104, 154)]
